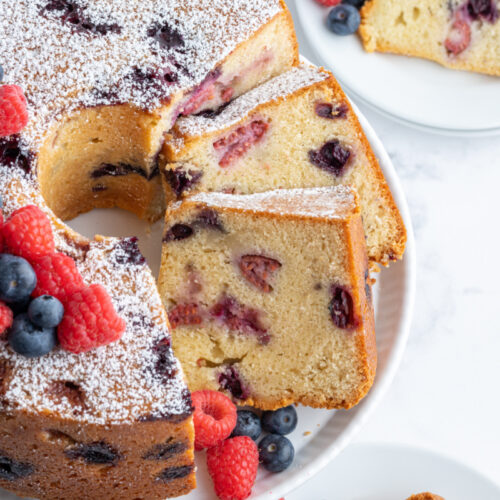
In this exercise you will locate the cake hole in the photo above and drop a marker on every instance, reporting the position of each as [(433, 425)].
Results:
[(56, 437), (416, 13), (400, 21)]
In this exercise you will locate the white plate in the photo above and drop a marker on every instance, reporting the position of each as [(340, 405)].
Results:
[(415, 91), (330, 431), (391, 472)]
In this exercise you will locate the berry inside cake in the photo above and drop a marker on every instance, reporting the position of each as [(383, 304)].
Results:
[(269, 298), (297, 130)]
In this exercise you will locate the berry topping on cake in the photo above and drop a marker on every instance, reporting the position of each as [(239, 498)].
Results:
[(46, 311), (259, 270), (332, 157), (17, 279), (239, 317), (182, 180), (28, 233), (90, 321), (282, 421), (6, 317), (99, 453), (230, 380), (276, 452), (178, 232), (11, 470), (327, 110), (185, 314), (30, 340), (247, 424), (214, 418), (13, 110), (237, 143), (233, 465), (58, 276), (341, 308), (343, 19)]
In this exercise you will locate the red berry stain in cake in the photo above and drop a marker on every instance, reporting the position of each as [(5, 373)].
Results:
[(206, 91), (13, 155), (230, 381), (181, 180), (459, 36), (178, 232), (341, 308), (72, 13), (332, 157), (326, 110), (240, 318), (97, 453), (237, 143), (12, 470), (185, 314), (166, 36), (259, 270)]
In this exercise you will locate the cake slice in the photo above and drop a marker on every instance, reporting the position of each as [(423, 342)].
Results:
[(297, 130), (459, 34), (268, 296)]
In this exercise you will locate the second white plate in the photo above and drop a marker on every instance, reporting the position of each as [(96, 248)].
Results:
[(415, 91)]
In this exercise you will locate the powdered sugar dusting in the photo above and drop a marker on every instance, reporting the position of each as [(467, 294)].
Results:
[(276, 88), (323, 202), (119, 382), (61, 68)]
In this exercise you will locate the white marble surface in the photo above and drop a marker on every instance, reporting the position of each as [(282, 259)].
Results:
[(445, 396)]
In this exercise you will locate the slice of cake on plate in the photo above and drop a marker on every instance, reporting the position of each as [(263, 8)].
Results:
[(269, 297), (297, 130), (459, 34)]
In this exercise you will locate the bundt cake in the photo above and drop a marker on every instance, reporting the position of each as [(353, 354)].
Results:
[(104, 80), (269, 297), (425, 496), (459, 34), (296, 130)]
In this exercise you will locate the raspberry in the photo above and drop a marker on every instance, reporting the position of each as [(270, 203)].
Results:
[(28, 233), (13, 110), (259, 270), (6, 318), (90, 321), (57, 275), (214, 418), (459, 37), (232, 465), (185, 314), (328, 3)]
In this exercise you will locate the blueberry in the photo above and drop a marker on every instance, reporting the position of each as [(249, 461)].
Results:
[(20, 307), (1, 199), (17, 279), (247, 424), (46, 311), (282, 421), (276, 452), (1, 78), (343, 19), (355, 3), (30, 340)]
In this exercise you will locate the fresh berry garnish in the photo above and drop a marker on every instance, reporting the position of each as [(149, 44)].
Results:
[(355, 3), (6, 318), (1, 73), (28, 233), (17, 279), (259, 270), (30, 340), (332, 157), (233, 465), (214, 418), (459, 36), (276, 452), (57, 276), (13, 110), (247, 424), (90, 321), (46, 311), (20, 307), (341, 308), (185, 314), (282, 421), (343, 20), (328, 3)]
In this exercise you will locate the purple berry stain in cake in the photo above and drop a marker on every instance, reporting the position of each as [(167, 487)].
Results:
[(127, 252), (326, 110), (13, 155), (11, 470), (259, 270), (230, 380), (208, 219), (167, 36), (342, 309), (178, 232), (172, 473), (240, 318), (120, 170), (485, 10), (165, 365), (332, 157), (237, 143), (97, 453), (164, 451), (181, 180)]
